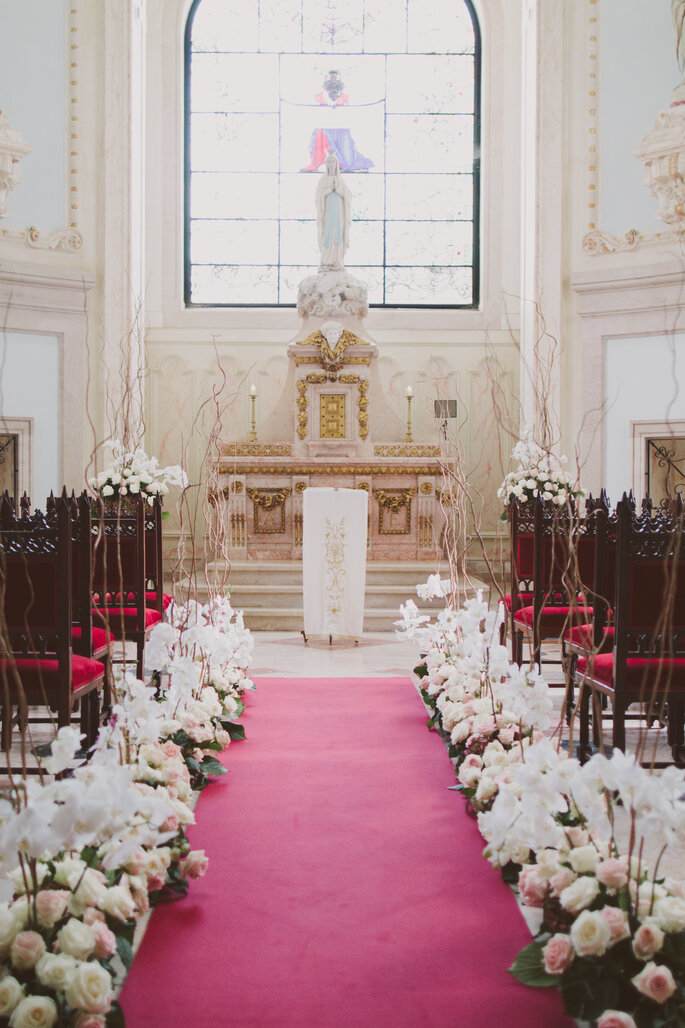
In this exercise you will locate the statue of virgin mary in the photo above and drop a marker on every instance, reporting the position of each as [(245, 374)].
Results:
[(333, 215)]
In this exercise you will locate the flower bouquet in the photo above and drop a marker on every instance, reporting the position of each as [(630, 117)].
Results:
[(539, 473), (135, 473)]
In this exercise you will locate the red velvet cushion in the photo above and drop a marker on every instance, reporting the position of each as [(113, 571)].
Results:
[(101, 638), (581, 636), (552, 619), (151, 599), (36, 675), (523, 600), (602, 668), (128, 623)]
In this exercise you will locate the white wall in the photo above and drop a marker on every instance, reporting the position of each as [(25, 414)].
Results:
[(32, 38), (30, 388), (645, 381), (639, 71)]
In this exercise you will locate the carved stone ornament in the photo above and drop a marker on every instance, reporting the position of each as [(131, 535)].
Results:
[(12, 149), (332, 294), (662, 152)]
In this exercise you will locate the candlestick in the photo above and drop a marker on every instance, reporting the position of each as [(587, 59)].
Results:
[(409, 438), (252, 438)]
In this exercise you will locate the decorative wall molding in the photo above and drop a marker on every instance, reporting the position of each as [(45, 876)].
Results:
[(44, 289), (67, 239)]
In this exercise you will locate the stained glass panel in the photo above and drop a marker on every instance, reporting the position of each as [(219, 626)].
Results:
[(391, 87)]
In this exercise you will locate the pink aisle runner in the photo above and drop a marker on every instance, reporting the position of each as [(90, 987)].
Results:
[(346, 885)]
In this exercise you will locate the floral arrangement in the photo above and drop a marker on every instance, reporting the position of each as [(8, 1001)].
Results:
[(539, 473), (132, 473), (611, 930), (83, 857)]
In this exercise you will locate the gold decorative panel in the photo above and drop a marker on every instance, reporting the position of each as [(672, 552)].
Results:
[(394, 510), (332, 416), (268, 507), (406, 451)]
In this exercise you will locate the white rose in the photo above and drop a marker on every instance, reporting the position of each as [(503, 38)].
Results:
[(669, 913), (76, 939), (590, 933), (11, 993), (461, 731), (90, 988), (9, 929), (157, 861), (584, 858), (34, 1012), (118, 902), (65, 868), (55, 969), (88, 887), (20, 911), (579, 895), (487, 787)]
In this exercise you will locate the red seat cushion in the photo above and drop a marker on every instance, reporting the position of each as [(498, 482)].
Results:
[(581, 636), (101, 638), (552, 619), (37, 675), (523, 600), (151, 599), (126, 622), (640, 671)]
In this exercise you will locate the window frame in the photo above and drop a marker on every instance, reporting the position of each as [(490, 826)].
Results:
[(476, 299)]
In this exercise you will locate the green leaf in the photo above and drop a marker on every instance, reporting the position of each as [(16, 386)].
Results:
[(166, 514), (211, 766), (193, 765), (115, 1018), (125, 951), (421, 671), (528, 967), (236, 731)]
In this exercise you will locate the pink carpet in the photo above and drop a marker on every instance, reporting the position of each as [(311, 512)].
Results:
[(346, 885)]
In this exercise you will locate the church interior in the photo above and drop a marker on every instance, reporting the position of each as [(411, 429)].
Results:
[(342, 392)]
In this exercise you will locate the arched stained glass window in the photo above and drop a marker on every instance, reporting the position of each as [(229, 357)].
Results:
[(392, 87)]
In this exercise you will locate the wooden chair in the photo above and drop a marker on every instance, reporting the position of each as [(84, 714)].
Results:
[(155, 597), (118, 537), (521, 535), (647, 662), (563, 567), (38, 666)]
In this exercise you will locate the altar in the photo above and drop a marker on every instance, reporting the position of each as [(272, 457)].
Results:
[(332, 427)]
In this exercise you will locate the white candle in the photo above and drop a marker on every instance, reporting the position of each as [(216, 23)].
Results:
[(253, 390), (410, 391)]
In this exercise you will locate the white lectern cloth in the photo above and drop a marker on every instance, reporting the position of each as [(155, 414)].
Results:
[(334, 560)]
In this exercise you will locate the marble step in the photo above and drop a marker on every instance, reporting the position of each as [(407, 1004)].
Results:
[(290, 619), (379, 596), (256, 572)]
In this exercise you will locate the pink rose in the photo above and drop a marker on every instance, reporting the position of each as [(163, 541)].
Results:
[(170, 824), (156, 882), (93, 915), (561, 879), (613, 873), (648, 940), (136, 862), (655, 981), (558, 954), (51, 906), (171, 749), (473, 760), (26, 950), (196, 864), (468, 709), (90, 1021), (468, 776), (532, 886), (506, 736), (105, 940), (615, 1019), (577, 836), (618, 923)]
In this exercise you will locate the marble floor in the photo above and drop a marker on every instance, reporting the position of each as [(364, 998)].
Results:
[(286, 655)]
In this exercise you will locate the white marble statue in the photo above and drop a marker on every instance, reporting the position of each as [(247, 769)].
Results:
[(333, 215)]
